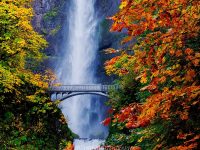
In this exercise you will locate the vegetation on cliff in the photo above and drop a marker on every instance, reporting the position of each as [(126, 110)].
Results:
[(158, 105), (28, 118)]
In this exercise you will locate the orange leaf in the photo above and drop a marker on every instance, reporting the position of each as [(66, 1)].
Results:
[(196, 62), (190, 75), (188, 51), (126, 39), (178, 53), (135, 148), (162, 79)]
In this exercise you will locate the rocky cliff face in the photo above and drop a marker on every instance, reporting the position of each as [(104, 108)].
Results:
[(107, 8), (48, 20)]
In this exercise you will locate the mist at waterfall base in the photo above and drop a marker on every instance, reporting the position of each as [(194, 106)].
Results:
[(78, 65)]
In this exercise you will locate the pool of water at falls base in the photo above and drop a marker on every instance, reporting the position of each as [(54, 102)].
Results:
[(88, 144)]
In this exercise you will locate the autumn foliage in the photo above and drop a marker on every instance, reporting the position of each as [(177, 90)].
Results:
[(165, 63), (28, 118)]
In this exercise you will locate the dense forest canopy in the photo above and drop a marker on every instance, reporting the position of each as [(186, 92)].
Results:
[(28, 118), (158, 106)]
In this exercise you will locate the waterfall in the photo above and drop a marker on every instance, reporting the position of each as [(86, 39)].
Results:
[(78, 66)]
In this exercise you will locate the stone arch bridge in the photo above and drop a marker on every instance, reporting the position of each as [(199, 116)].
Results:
[(66, 91)]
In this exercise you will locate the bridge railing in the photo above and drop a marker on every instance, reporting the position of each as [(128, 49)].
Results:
[(84, 88)]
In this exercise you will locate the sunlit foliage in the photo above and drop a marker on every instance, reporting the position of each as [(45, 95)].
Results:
[(28, 119)]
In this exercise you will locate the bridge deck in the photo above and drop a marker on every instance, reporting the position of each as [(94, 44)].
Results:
[(83, 88)]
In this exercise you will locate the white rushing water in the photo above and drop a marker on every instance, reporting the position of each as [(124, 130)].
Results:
[(81, 144), (78, 66)]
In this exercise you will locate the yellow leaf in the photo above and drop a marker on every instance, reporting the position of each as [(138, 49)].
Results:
[(143, 80), (123, 4), (155, 74)]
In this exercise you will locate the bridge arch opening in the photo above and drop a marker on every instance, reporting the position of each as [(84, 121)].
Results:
[(64, 92), (66, 96), (83, 93)]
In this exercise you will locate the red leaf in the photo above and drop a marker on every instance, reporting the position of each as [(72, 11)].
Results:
[(110, 111), (106, 122)]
